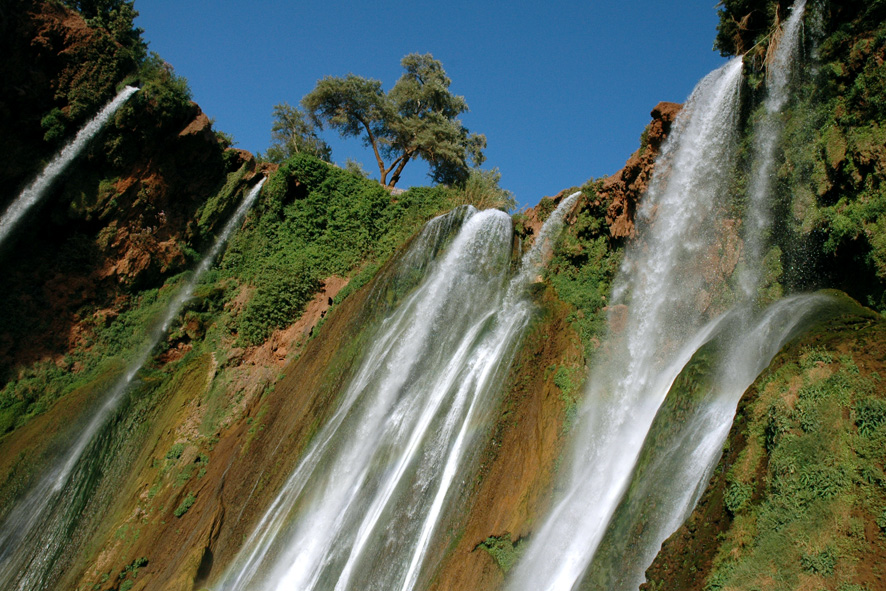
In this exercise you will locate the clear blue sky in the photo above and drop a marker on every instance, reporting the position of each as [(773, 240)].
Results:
[(561, 90)]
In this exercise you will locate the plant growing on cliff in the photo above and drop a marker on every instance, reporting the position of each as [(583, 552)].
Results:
[(418, 118), (118, 18)]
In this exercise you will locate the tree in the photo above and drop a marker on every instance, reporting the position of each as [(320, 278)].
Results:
[(417, 119), (291, 134), (118, 18)]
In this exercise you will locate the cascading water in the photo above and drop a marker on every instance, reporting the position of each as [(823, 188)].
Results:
[(34, 192), (33, 533), (679, 455), (767, 134), (359, 510), (685, 440), (623, 528), (665, 291)]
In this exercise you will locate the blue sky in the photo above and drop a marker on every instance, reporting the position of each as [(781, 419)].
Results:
[(561, 90)]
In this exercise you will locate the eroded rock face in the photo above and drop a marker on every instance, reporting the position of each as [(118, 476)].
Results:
[(117, 221), (625, 188)]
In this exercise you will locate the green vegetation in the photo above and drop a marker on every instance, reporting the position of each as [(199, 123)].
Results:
[(90, 368), (830, 206), (293, 134), (569, 380), (503, 550), (314, 221), (417, 119), (129, 573), (584, 264), (810, 478), (186, 504)]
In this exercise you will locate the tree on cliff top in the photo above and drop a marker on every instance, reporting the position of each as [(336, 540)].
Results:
[(418, 118), (291, 134)]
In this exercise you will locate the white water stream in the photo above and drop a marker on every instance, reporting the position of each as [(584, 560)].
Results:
[(34, 192), (360, 509), (661, 283), (767, 135), (666, 291), (33, 532)]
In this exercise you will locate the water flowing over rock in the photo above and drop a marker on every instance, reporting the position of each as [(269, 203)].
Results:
[(624, 189), (34, 532), (34, 192), (659, 281), (361, 507), (634, 452), (767, 133)]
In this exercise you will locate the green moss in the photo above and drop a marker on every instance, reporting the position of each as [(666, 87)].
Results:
[(816, 414)]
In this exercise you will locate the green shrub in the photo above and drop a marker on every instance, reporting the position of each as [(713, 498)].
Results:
[(186, 504), (55, 125), (175, 452), (279, 299), (820, 563), (870, 415), (503, 551), (737, 496)]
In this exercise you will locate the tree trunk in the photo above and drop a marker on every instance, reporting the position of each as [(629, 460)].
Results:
[(395, 178), (383, 173)]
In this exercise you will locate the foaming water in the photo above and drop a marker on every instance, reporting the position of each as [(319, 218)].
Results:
[(34, 192), (35, 530), (660, 284), (360, 509)]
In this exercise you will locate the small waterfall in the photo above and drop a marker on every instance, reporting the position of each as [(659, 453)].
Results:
[(767, 134), (36, 190), (32, 535), (664, 290), (360, 509)]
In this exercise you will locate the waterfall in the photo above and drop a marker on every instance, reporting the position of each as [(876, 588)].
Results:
[(34, 192), (685, 440), (32, 535), (680, 455), (664, 290), (360, 509), (767, 134), (645, 452)]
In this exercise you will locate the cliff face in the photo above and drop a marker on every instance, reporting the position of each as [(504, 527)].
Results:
[(624, 189), (122, 217)]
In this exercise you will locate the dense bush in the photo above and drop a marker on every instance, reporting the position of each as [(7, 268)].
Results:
[(315, 220), (584, 264)]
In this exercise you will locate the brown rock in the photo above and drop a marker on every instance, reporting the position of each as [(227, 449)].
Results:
[(624, 189)]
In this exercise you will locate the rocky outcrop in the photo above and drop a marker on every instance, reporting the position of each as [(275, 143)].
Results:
[(624, 189), (50, 61)]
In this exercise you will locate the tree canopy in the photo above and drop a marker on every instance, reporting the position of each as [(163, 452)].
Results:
[(418, 118), (292, 134)]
